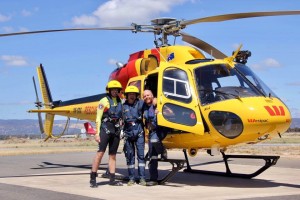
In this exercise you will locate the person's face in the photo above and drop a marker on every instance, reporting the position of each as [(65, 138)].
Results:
[(148, 97), (131, 97), (114, 92)]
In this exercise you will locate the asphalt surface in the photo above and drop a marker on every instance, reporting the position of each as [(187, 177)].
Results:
[(66, 176)]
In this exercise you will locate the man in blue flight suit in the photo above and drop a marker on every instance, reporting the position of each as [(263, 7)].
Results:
[(134, 134), (155, 137)]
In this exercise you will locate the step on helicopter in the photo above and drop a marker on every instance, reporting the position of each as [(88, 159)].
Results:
[(216, 102)]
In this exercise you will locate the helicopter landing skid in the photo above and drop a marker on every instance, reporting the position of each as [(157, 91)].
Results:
[(177, 164), (269, 161)]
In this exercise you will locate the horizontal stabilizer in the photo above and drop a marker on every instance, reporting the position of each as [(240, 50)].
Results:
[(49, 111)]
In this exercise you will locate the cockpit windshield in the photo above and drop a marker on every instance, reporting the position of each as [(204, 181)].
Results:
[(220, 82)]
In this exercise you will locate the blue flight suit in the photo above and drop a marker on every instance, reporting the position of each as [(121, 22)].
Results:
[(155, 137), (134, 137)]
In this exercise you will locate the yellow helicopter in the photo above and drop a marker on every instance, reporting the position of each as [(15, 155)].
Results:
[(215, 102)]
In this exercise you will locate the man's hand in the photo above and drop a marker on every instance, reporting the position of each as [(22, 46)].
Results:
[(154, 101), (97, 138)]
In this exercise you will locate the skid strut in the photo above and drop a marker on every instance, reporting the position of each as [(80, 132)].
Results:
[(177, 164), (269, 161)]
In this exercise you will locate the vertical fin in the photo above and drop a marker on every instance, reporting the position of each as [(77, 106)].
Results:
[(89, 128), (48, 126), (46, 94), (47, 100)]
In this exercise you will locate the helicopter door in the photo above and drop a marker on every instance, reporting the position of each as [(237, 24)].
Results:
[(177, 107)]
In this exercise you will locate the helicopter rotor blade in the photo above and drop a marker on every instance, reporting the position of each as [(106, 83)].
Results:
[(38, 105), (68, 29), (202, 45), (227, 17)]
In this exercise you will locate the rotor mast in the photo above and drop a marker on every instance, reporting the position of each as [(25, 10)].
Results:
[(162, 27)]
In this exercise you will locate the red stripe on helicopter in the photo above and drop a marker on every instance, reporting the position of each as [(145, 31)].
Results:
[(136, 55), (274, 111), (282, 111), (155, 52)]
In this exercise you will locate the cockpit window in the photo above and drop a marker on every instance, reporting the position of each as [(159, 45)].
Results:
[(220, 82), (176, 85), (255, 80)]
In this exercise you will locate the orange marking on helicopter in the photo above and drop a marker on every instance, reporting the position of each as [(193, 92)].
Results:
[(275, 111), (282, 111), (89, 110), (270, 111), (257, 120)]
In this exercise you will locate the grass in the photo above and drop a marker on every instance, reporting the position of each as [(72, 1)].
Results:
[(288, 145), (21, 146)]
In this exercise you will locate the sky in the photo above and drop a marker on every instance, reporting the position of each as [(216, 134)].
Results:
[(78, 63)]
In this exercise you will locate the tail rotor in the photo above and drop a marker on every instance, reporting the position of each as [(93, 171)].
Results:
[(39, 105)]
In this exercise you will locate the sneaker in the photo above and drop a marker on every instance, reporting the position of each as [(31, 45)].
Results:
[(152, 183), (142, 182), (131, 183), (116, 183)]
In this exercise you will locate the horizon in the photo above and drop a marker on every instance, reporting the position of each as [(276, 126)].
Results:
[(78, 64)]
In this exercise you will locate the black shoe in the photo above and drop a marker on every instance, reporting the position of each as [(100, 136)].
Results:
[(152, 183), (116, 183), (164, 155), (93, 183)]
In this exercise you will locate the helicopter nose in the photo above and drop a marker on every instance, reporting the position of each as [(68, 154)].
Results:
[(250, 118)]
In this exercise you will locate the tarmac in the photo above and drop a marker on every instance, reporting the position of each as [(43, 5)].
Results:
[(66, 176)]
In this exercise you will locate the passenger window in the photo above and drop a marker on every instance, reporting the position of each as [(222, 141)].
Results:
[(179, 114), (176, 85)]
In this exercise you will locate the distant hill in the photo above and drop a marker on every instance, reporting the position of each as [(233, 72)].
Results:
[(31, 127), (295, 123)]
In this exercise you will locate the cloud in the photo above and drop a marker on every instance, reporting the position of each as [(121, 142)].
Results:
[(26, 13), (266, 64), (294, 83), (24, 102), (7, 29), (4, 18), (112, 61), (124, 12), (14, 60), (85, 20)]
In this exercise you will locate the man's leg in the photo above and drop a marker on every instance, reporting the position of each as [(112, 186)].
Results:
[(95, 166), (113, 148), (153, 164), (140, 145), (130, 160)]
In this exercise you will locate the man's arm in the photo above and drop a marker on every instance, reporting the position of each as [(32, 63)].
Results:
[(102, 107)]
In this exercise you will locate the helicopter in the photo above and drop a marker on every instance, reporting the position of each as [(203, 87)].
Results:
[(216, 102)]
